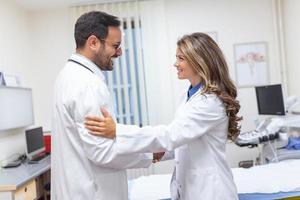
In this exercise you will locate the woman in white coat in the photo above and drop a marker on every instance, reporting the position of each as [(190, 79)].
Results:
[(205, 119)]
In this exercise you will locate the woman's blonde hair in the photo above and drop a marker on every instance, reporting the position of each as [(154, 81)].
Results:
[(206, 58)]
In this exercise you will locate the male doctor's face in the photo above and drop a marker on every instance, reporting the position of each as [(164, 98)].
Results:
[(184, 70), (109, 48)]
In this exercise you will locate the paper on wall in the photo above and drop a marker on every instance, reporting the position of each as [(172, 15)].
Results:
[(2, 82), (10, 80)]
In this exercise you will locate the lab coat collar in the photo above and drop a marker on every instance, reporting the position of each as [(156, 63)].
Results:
[(89, 64), (194, 90)]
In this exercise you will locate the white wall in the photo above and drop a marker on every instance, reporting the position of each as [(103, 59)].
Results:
[(51, 40), (291, 17), (33, 49), (14, 39), (14, 59)]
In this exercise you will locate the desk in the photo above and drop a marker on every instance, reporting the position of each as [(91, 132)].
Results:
[(23, 182)]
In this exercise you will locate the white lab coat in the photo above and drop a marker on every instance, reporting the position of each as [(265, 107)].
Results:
[(198, 134), (85, 167)]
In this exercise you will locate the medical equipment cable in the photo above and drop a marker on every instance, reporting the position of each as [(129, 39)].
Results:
[(264, 134), (255, 161), (273, 150)]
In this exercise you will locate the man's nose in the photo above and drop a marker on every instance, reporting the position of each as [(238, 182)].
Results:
[(119, 52)]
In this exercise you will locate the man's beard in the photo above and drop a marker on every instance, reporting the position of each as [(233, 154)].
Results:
[(104, 63)]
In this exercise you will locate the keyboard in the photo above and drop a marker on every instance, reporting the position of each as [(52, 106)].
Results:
[(255, 137), (38, 158)]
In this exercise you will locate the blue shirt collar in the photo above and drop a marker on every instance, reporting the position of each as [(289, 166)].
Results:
[(192, 90)]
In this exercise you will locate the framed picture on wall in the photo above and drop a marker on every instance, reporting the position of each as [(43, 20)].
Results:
[(251, 64)]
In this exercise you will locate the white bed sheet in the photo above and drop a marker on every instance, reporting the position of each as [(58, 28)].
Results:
[(150, 187), (283, 176), (271, 178)]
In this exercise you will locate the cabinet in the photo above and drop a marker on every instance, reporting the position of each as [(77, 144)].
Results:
[(24, 182), (27, 191)]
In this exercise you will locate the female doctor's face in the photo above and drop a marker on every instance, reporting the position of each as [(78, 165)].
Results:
[(184, 70)]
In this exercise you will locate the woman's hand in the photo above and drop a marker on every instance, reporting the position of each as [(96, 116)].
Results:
[(101, 126), (157, 156)]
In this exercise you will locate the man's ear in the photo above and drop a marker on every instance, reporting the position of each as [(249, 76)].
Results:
[(93, 42)]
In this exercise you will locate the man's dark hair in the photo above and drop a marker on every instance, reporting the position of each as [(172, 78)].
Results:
[(93, 23)]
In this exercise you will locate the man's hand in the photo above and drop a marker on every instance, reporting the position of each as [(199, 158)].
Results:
[(104, 127), (157, 156)]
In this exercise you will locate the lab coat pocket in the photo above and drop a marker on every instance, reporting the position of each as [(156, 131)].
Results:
[(202, 184)]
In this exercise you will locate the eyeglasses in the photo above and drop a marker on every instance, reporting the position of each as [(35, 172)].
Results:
[(117, 46)]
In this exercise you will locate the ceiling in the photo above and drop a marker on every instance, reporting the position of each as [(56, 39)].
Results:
[(44, 4)]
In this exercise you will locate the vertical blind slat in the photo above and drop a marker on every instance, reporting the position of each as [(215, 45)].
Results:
[(141, 76), (124, 68), (118, 78), (132, 72)]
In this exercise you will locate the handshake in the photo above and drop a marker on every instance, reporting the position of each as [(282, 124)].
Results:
[(157, 156)]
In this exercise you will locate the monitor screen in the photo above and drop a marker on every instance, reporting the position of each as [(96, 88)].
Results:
[(16, 107), (34, 141), (270, 100)]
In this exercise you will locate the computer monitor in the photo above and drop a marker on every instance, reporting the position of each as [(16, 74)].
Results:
[(270, 100), (34, 142)]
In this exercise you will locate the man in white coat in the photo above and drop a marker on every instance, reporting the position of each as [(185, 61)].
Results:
[(86, 167)]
